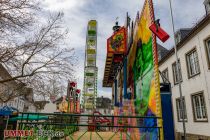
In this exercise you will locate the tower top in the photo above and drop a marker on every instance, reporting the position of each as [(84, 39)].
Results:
[(116, 27)]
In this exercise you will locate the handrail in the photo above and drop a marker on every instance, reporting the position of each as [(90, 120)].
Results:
[(117, 123), (91, 115), (118, 126)]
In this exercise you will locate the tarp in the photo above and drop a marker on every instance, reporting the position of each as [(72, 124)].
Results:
[(29, 117), (7, 111)]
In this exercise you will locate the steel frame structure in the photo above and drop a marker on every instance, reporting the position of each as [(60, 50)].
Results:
[(90, 70), (71, 120)]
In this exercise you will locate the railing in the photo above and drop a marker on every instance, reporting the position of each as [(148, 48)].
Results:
[(144, 127)]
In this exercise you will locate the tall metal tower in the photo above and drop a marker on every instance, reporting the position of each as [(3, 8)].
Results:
[(90, 70)]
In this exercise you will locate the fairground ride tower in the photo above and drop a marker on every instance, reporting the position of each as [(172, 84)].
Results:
[(90, 70)]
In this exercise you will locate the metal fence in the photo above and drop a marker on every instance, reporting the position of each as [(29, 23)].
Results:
[(83, 126)]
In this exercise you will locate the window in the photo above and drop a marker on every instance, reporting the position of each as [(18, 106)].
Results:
[(180, 110), (192, 63), (208, 52), (165, 76), (175, 73), (199, 107)]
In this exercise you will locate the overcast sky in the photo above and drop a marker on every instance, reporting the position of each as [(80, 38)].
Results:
[(77, 13)]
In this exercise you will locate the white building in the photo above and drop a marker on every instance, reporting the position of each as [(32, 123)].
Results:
[(15, 94), (103, 105), (50, 108), (194, 55), (22, 103), (16, 103)]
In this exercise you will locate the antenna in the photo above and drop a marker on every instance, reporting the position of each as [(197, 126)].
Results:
[(116, 19)]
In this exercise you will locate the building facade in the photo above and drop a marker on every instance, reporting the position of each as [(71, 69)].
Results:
[(194, 58), (103, 105), (50, 108), (15, 94), (18, 103), (22, 103)]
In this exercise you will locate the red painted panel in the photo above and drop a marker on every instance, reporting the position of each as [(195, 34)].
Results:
[(159, 32)]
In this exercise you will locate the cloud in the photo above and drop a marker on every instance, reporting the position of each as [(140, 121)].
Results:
[(186, 14), (57, 5), (78, 13)]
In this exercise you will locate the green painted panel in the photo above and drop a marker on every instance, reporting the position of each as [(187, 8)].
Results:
[(91, 51), (89, 74), (92, 32)]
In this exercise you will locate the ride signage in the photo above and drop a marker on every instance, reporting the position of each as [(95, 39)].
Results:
[(117, 42)]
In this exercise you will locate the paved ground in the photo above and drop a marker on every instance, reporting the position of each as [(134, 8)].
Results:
[(104, 135)]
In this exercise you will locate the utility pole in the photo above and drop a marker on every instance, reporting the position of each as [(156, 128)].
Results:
[(178, 74)]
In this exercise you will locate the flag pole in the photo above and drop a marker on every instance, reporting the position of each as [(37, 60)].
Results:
[(178, 74)]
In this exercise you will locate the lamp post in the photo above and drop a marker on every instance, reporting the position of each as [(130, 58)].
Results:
[(178, 73)]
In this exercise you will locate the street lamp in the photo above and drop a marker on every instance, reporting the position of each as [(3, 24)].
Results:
[(178, 73)]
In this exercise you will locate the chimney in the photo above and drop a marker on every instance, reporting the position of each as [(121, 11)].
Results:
[(207, 6)]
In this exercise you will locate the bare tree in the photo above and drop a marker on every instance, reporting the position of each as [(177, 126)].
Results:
[(40, 54), (11, 90), (16, 15), (39, 58), (48, 88)]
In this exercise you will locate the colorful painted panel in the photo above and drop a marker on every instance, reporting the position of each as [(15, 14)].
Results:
[(117, 42), (63, 106), (143, 69), (142, 80)]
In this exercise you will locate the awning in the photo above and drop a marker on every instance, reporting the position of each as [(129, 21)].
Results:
[(7, 111), (29, 117)]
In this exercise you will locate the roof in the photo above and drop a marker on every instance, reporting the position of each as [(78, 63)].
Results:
[(14, 85), (111, 68), (197, 28), (59, 100), (40, 104), (183, 32), (4, 74), (162, 51)]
